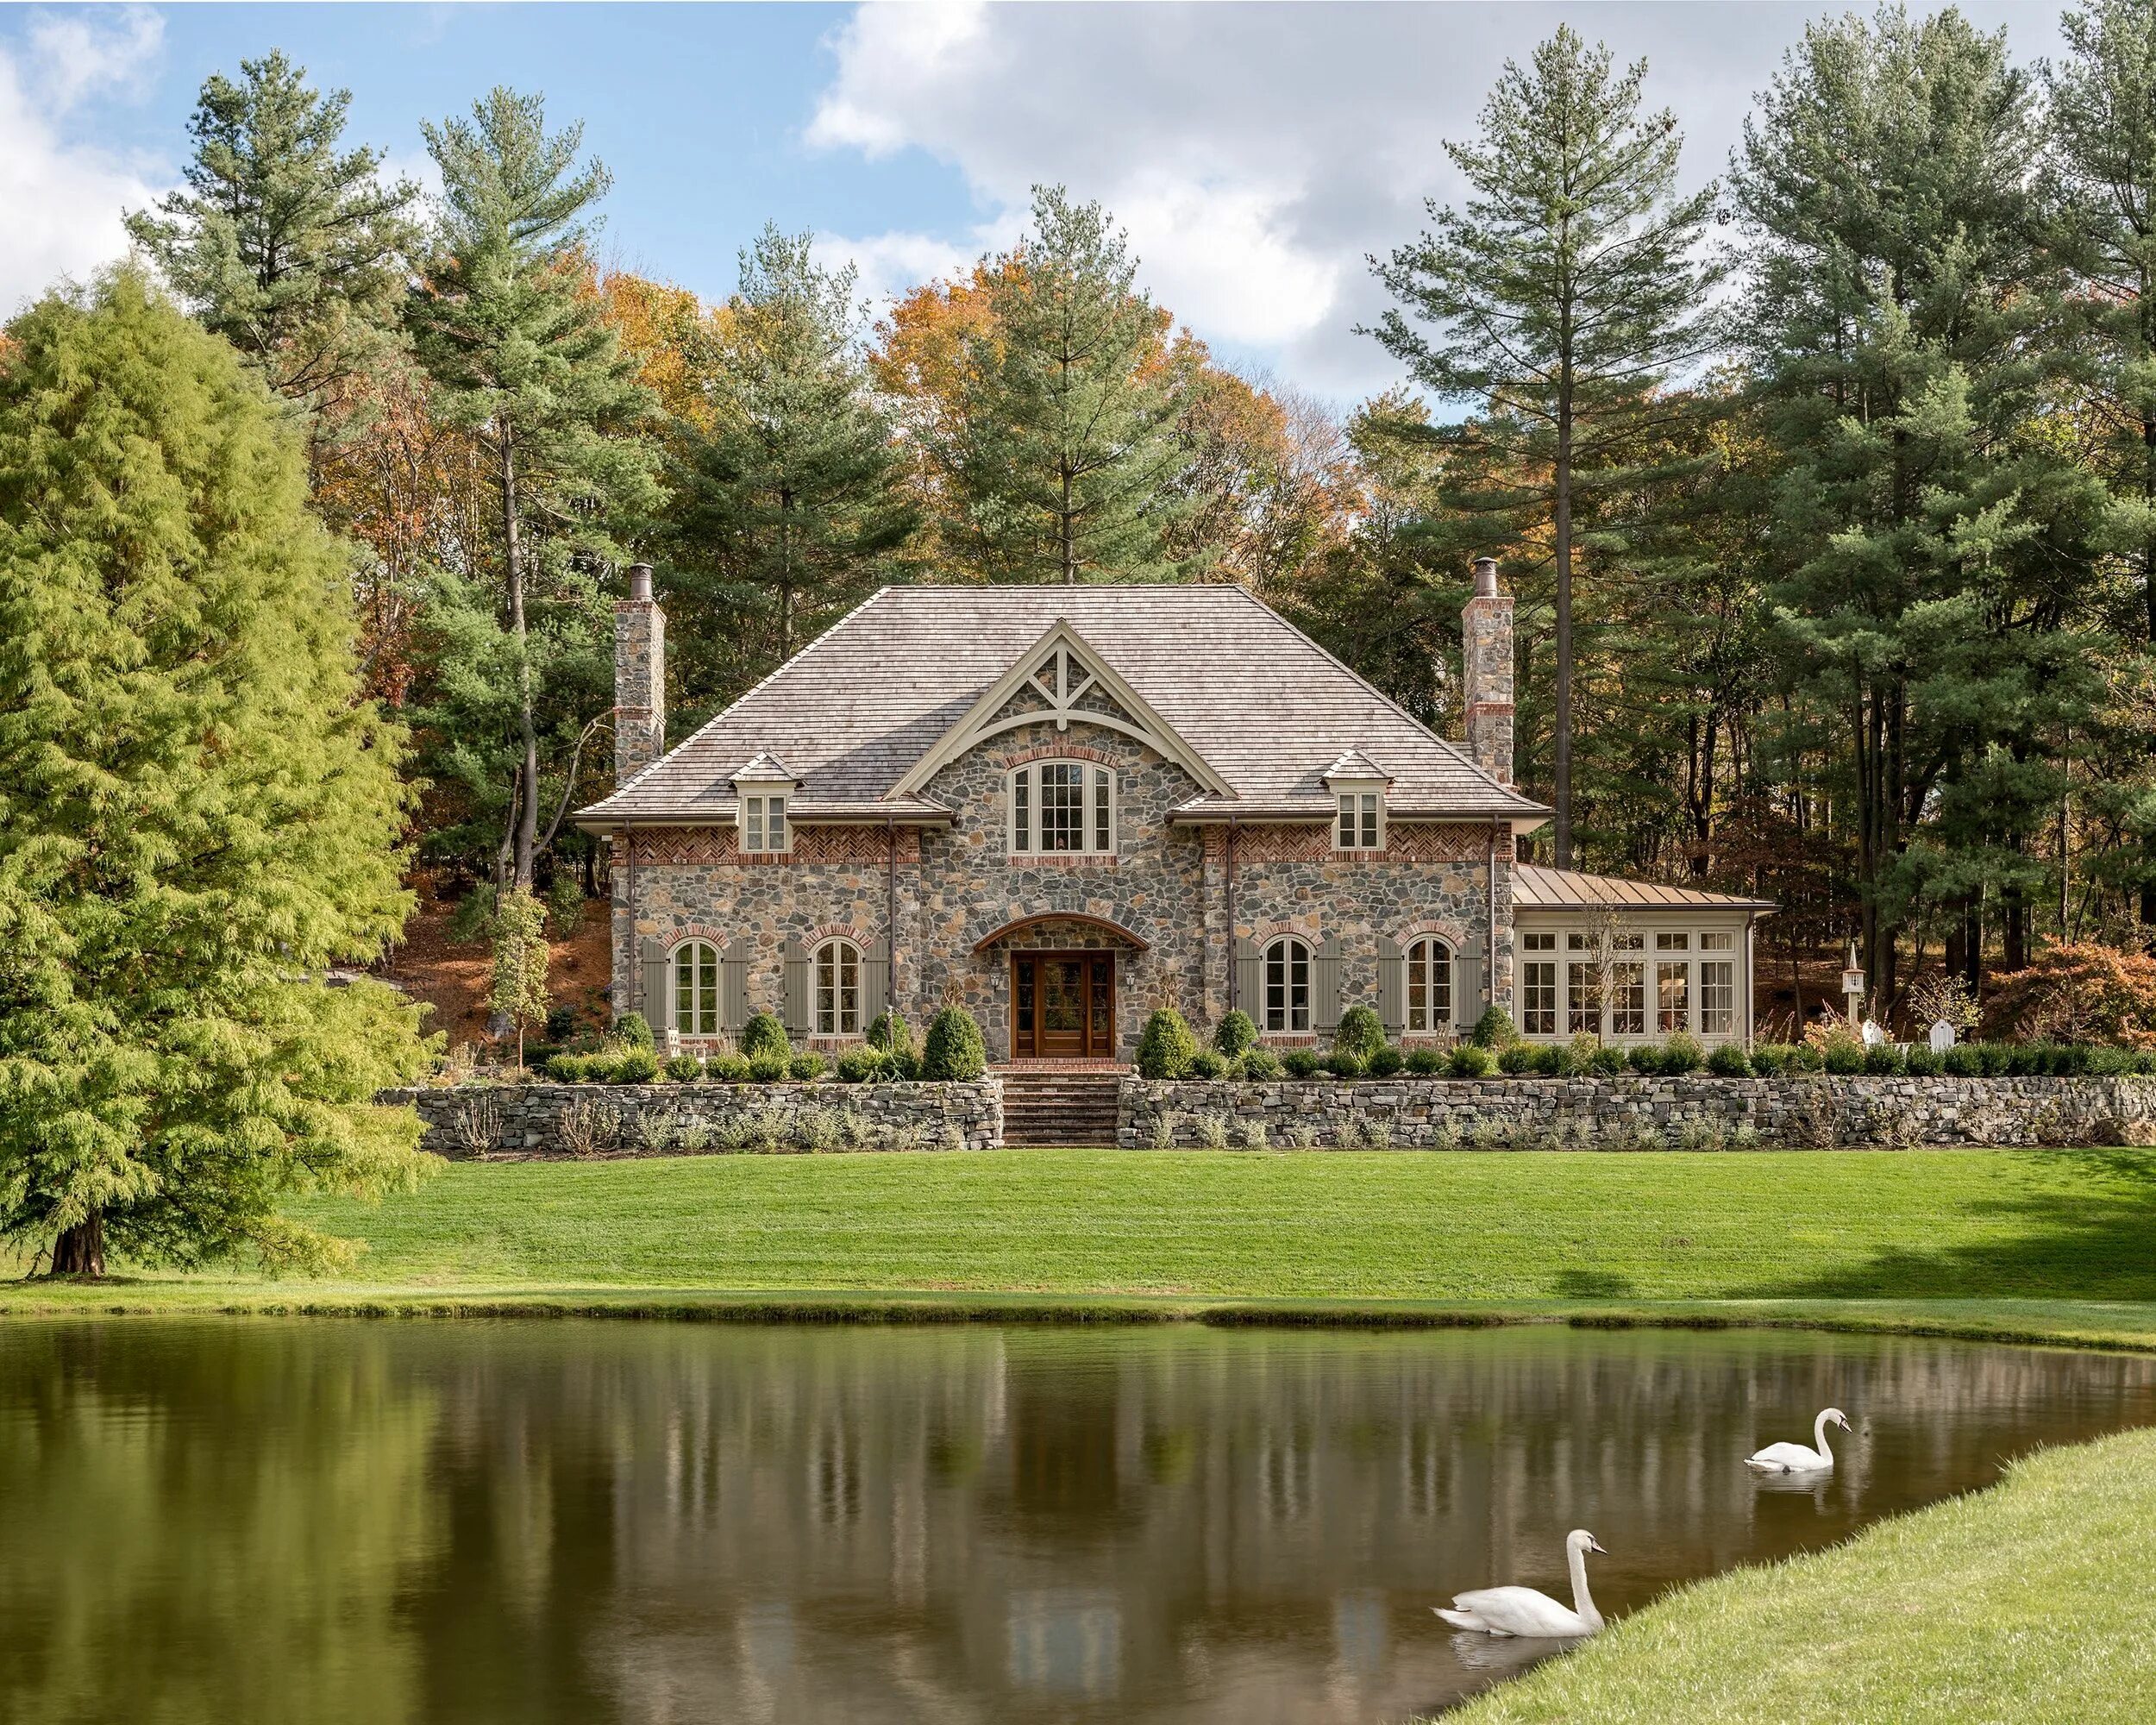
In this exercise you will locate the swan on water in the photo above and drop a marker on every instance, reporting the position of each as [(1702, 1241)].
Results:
[(1523, 1611), (1795, 1458)]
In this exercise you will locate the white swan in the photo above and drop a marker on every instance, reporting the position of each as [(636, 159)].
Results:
[(1795, 1458), (1522, 1611)]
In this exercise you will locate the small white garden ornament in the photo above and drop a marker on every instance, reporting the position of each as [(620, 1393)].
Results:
[(1942, 1036), (1873, 1036)]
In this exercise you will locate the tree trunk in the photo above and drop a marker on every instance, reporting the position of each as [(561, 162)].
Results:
[(1069, 548), (527, 727), (1564, 529), (80, 1251)]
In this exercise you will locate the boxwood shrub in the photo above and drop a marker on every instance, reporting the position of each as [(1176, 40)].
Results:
[(1343, 1063), (1205, 1063), (765, 1035), (1301, 1062), (770, 1069), (954, 1050), (728, 1069), (1494, 1029), (684, 1069), (1359, 1034), (1387, 1061), (1165, 1046), (1425, 1062), (1729, 1060), (1236, 1034), (1468, 1060), (806, 1067), (858, 1065), (1258, 1064)]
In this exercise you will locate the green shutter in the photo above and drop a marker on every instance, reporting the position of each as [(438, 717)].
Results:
[(1392, 986), (1325, 984), (651, 995), (733, 988), (1250, 981), (796, 1013)]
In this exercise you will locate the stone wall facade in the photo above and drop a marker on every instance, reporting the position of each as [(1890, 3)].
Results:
[(1700, 1112), (1166, 884), (470, 1121)]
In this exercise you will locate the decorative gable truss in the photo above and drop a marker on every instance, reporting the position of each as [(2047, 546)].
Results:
[(1058, 680)]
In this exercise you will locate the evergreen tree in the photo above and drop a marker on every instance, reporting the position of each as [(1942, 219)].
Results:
[(511, 326), (1555, 300), (197, 814), (1065, 448), (289, 247), (788, 506), (1929, 532), (516, 981)]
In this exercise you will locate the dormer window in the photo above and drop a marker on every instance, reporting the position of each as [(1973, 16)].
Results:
[(1362, 823), (1061, 807), (765, 789)]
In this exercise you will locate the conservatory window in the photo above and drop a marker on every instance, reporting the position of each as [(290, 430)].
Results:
[(1673, 993), (1062, 807), (1628, 1000), (1287, 986), (1717, 996)]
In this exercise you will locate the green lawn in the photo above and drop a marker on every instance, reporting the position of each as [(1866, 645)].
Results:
[(2025, 1602), (1461, 1228)]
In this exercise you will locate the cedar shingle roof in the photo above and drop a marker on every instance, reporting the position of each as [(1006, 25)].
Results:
[(1537, 888), (1268, 708)]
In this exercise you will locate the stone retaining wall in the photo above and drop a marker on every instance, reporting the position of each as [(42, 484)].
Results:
[(472, 1120), (1700, 1111)]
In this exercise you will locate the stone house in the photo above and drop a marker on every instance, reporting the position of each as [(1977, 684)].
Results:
[(1062, 807)]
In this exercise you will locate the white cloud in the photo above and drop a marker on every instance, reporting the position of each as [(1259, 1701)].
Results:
[(63, 195), (893, 264), (1257, 153)]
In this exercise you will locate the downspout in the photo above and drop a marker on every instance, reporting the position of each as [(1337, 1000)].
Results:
[(1231, 873), (891, 915), (629, 895), (1489, 975), (1751, 918)]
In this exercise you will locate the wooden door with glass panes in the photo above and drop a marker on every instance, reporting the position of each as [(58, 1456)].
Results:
[(1062, 1006)]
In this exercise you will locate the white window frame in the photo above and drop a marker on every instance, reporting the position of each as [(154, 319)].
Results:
[(1358, 821), (1281, 949), (1644, 954), (1098, 802), (1430, 963), (702, 1007), (833, 1018), (766, 818)]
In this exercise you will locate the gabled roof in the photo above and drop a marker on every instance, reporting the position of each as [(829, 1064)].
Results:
[(1354, 766), (1537, 888), (765, 769), (1264, 708)]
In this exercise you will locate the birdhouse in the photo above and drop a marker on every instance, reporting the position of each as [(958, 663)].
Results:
[(1942, 1036)]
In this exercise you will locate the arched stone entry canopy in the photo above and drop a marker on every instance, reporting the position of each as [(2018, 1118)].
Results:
[(1062, 977), (1011, 930)]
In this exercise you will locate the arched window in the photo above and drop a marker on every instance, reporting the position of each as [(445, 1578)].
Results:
[(1287, 985), (838, 988), (1429, 986), (1062, 807), (696, 988)]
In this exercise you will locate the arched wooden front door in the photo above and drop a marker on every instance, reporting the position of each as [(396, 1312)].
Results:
[(1062, 1006)]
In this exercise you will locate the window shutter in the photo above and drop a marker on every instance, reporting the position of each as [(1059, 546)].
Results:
[(1250, 981), (876, 980), (795, 1012), (651, 993), (1325, 984), (733, 988), (1467, 993), (1392, 986)]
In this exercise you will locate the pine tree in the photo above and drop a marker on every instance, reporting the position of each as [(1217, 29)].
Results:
[(1929, 534), (510, 324), (198, 816), (788, 506), (1567, 287), (1065, 450), (293, 249)]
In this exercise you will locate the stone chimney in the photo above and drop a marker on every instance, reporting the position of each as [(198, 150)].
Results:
[(1486, 667), (640, 677)]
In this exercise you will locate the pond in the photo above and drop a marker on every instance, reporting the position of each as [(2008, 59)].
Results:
[(312, 1519)]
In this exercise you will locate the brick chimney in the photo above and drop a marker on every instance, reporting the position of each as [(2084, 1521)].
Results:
[(640, 677), (1486, 673)]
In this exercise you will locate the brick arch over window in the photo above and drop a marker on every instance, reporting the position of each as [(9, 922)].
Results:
[(1264, 933), (1453, 934), (839, 931), (1057, 751)]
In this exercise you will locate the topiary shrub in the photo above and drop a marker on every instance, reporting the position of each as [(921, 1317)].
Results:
[(1963, 1060), (890, 1034), (1425, 1062), (1921, 1061), (806, 1067), (1344, 1064), (1468, 1060), (1166, 1046), (684, 1069), (1996, 1058), (858, 1065), (954, 1050), (1494, 1029), (1515, 1059), (1553, 1061), (1730, 1060), (770, 1069), (1682, 1054), (1205, 1063), (764, 1034), (1359, 1034), (1644, 1057), (632, 1066), (728, 1069), (1842, 1056), (1259, 1064), (1768, 1058), (634, 1029), (1236, 1034), (1387, 1061), (1607, 1060), (1882, 1060), (1301, 1062)]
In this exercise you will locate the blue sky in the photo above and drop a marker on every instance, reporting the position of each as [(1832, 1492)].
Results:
[(1256, 153)]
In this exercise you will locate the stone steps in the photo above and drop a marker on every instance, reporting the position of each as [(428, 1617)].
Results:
[(1043, 1107)]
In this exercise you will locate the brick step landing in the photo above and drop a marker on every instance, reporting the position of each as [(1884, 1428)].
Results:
[(1045, 1106)]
